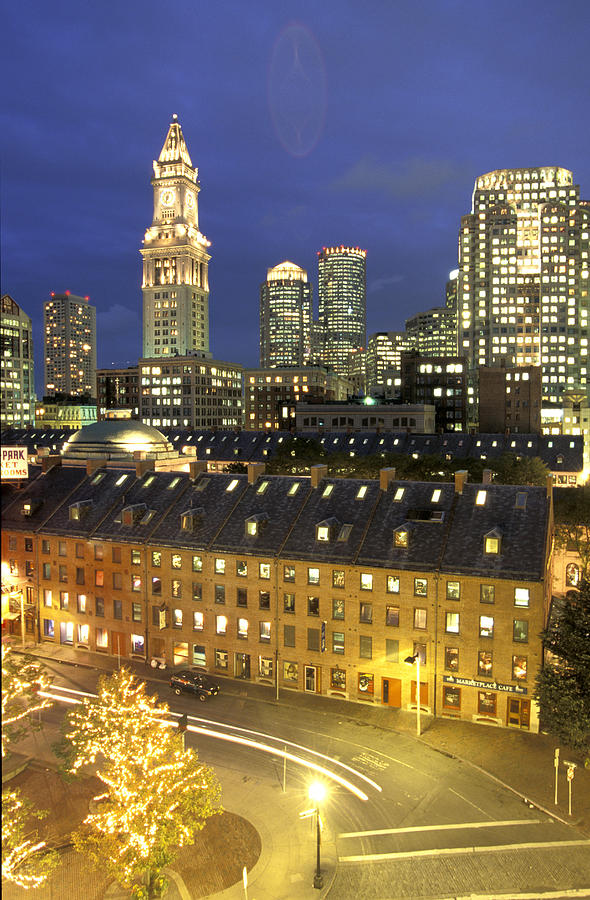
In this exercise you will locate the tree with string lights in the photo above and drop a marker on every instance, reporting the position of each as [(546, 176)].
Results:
[(23, 681), (157, 794)]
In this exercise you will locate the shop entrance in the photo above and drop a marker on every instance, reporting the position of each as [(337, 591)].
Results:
[(518, 712), (242, 666), (391, 692), (312, 679)]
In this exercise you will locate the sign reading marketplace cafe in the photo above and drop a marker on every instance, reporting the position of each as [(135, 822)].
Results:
[(487, 685), (15, 464)]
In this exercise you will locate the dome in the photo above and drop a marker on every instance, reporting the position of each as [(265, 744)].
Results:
[(117, 439)]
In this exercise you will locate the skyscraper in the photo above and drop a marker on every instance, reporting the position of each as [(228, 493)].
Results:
[(342, 304), (175, 259), (285, 317), (70, 345), (17, 375), (522, 295)]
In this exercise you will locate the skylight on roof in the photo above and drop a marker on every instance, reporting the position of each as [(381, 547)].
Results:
[(293, 489), (436, 495), (232, 485), (360, 494), (262, 487), (480, 499), (399, 493), (173, 483), (328, 490), (344, 533), (121, 480)]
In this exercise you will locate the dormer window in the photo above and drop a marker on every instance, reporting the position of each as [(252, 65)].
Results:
[(493, 541), (326, 530), (131, 515), (191, 518), (31, 506), (401, 537), (559, 459), (79, 510), (254, 524)]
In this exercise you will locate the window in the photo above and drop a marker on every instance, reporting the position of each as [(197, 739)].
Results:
[(480, 498), (47, 598), (484, 663), (156, 585), (197, 563), (156, 559), (47, 571), (116, 554), (366, 581), (220, 566), (176, 588), (264, 571), (265, 667), (198, 621), (337, 578), (79, 549), (452, 622), (62, 550), (99, 606), (199, 655), (63, 574), (366, 613), (102, 639), (392, 616), (493, 541), (452, 659), (220, 624), (393, 584), (241, 568), (288, 573), (391, 650), (48, 628), (136, 612), (401, 538), (291, 671), (136, 583), (221, 658), (289, 603), (313, 606), (419, 617), (420, 587), (264, 631), (338, 608), (365, 647), (117, 581), (98, 551), (486, 703), (521, 596), (486, 626), (138, 644), (453, 590), (289, 635), (337, 642), (520, 631), (451, 697), (64, 599), (45, 547), (220, 593), (176, 561), (313, 576), (264, 599), (81, 601), (197, 590), (136, 557), (366, 683), (243, 629), (519, 668), (30, 569), (241, 597), (420, 650), (338, 679), (117, 609), (156, 610), (487, 593)]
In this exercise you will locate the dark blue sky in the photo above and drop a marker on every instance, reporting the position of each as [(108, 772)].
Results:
[(312, 124)]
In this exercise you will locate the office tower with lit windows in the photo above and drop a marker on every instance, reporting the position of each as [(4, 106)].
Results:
[(17, 375), (342, 305), (69, 325), (434, 332), (384, 354), (285, 317), (522, 294), (175, 259)]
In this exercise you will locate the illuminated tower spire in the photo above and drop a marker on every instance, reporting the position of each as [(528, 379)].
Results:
[(175, 259)]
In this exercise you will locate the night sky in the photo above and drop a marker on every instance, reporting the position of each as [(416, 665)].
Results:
[(311, 123)]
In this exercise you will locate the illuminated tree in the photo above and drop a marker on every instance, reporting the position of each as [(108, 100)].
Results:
[(25, 861), (157, 794), (22, 681)]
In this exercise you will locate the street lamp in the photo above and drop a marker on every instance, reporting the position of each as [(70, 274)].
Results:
[(410, 660), (317, 793)]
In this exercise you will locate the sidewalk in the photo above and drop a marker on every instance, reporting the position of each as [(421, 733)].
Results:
[(521, 762)]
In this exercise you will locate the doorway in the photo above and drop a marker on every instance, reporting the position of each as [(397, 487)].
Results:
[(423, 693), (242, 665), (312, 680), (391, 692), (518, 712)]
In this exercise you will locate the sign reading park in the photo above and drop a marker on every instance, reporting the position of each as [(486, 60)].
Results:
[(15, 464)]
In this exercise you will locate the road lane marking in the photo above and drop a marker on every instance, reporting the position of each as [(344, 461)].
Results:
[(470, 802), (354, 834), (458, 851)]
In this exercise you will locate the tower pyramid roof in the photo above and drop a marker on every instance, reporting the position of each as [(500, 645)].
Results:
[(175, 149)]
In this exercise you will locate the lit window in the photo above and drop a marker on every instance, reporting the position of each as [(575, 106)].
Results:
[(264, 570), (435, 495), (401, 538), (323, 533), (453, 590), (393, 584), (243, 628), (366, 581), (480, 498), (220, 624), (328, 490), (452, 622), (313, 575), (398, 494), (220, 566), (420, 587), (233, 484), (293, 489), (361, 492), (521, 596), (486, 626)]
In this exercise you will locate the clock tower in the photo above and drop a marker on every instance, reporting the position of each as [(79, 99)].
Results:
[(175, 258)]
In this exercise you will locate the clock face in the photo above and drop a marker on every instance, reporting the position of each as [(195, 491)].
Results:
[(167, 197), (190, 200)]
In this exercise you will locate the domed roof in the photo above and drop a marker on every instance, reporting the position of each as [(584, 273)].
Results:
[(117, 438)]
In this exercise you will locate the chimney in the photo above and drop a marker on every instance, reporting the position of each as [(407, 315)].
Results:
[(48, 462), (144, 465), (317, 473), (255, 470), (460, 480), (92, 465), (196, 467), (486, 477), (386, 476)]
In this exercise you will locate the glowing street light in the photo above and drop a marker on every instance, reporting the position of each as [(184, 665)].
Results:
[(410, 660), (317, 793)]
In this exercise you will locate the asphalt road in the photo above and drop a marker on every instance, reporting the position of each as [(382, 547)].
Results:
[(430, 826)]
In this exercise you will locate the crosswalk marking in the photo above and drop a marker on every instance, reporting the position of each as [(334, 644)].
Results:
[(360, 834), (457, 851)]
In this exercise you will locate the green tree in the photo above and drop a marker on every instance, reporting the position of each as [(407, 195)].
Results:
[(563, 684), (23, 680), (511, 469), (296, 456), (25, 860), (157, 795), (572, 523)]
